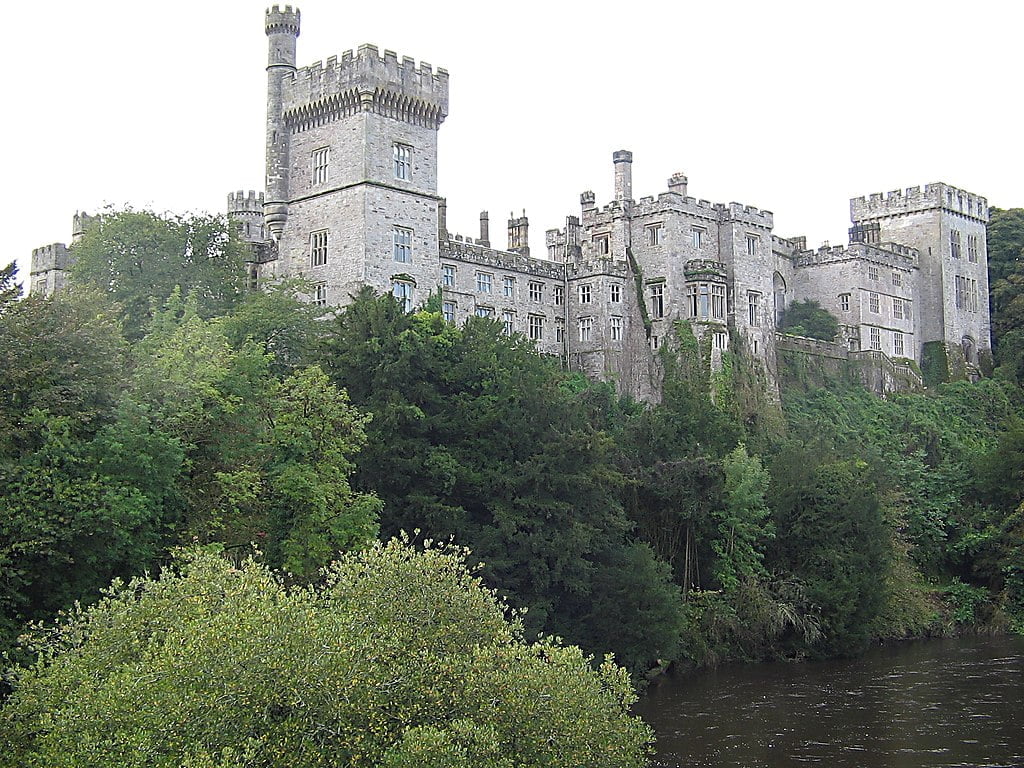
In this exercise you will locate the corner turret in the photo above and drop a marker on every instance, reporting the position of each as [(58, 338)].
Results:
[(282, 29)]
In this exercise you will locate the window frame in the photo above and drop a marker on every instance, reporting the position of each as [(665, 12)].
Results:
[(402, 157), (319, 243), (401, 240), (320, 163)]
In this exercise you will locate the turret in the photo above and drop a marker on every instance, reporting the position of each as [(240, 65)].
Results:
[(623, 160), (519, 234), (282, 29)]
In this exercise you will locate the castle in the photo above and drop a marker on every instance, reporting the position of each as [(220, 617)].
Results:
[(351, 200)]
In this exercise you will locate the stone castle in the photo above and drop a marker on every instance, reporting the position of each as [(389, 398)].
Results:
[(351, 200)]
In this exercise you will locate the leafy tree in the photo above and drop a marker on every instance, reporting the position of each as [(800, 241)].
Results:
[(1006, 286), (743, 525), (10, 289), (476, 435), (808, 318), (63, 357), (831, 536), (139, 258), (402, 658)]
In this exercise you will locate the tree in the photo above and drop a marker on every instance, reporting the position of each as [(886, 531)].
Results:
[(401, 658), (743, 524), (10, 289), (808, 318), (139, 257), (475, 435)]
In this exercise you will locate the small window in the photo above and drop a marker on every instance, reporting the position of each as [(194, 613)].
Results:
[(752, 241), (318, 248), (844, 302), (485, 311), (559, 295), (897, 278), (615, 293), (697, 237), (873, 302), (403, 292), (972, 248), (483, 282), (720, 340), (448, 311), (954, 243), (615, 327), (508, 286), (872, 273), (536, 291), (876, 339), (535, 326), (321, 160), (602, 244), (403, 162), (897, 308), (754, 308), (586, 324), (320, 294), (508, 322), (559, 330), (897, 344), (402, 238), (657, 292), (718, 301), (447, 276), (584, 292), (654, 234)]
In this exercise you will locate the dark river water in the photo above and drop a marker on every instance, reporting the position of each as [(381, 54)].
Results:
[(956, 702)]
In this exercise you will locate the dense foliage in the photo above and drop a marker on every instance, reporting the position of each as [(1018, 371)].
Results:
[(398, 658), (808, 318), (716, 524)]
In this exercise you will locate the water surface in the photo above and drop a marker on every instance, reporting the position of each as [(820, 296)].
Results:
[(922, 704)]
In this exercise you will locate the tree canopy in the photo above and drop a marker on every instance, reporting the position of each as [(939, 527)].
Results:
[(400, 658), (809, 318)]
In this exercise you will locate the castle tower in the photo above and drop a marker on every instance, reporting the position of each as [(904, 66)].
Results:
[(351, 196), (282, 28), (245, 211), (947, 227)]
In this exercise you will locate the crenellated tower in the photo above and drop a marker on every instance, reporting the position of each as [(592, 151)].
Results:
[(282, 29)]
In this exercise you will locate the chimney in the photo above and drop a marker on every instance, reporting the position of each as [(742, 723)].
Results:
[(485, 230), (519, 234), (623, 161), (677, 183)]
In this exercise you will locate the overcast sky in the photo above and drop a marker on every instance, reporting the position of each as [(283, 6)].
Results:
[(790, 106)]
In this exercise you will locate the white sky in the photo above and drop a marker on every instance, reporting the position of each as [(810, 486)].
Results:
[(790, 106)]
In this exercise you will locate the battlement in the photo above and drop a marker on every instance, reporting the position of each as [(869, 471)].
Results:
[(748, 214), (580, 268), (707, 269), (886, 254), (366, 81), (937, 196), (48, 257), (282, 22), (240, 202), (467, 250)]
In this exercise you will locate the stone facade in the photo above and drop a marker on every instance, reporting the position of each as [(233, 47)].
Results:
[(351, 200)]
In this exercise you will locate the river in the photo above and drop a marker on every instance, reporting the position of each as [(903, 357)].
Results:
[(922, 704)]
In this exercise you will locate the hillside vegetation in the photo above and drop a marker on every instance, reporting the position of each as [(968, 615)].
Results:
[(139, 415)]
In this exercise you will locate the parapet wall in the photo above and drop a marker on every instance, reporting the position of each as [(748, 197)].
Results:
[(466, 250), (241, 202), (366, 81), (888, 254), (915, 199), (47, 257)]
